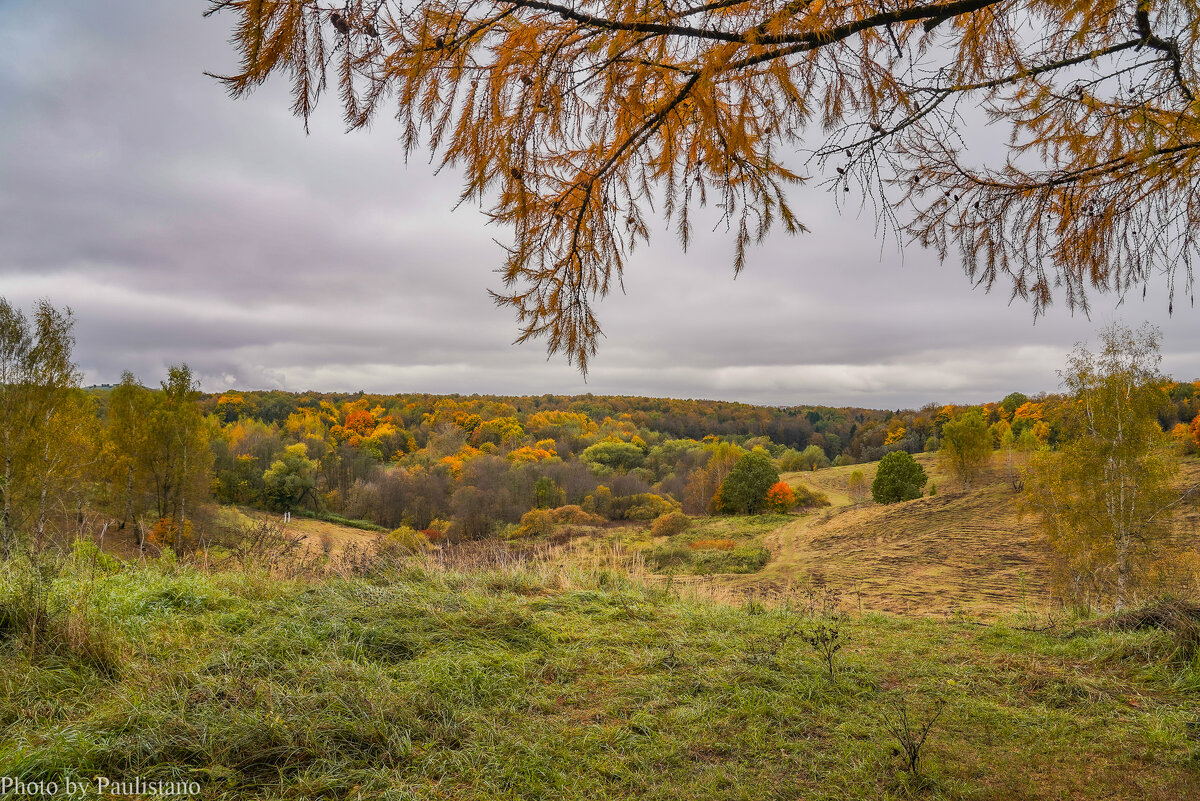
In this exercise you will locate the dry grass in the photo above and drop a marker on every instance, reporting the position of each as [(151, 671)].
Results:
[(319, 536)]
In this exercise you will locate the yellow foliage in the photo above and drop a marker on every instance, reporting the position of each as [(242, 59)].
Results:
[(529, 454), (456, 462)]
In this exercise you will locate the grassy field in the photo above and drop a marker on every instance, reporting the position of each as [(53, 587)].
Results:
[(540, 682), (956, 553)]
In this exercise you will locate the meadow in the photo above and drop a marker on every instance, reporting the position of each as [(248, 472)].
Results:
[(504, 677)]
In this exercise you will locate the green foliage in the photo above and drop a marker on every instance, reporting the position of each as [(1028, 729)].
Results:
[(811, 458), (898, 478), (547, 494), (856, 486), (178, 451), (610, 456), (1012, 402), (40, 423), (1106, 497), (642, 506), (599, 502), (406, 539), (744, 490), (966, 447), (291, 479), (808, 497)]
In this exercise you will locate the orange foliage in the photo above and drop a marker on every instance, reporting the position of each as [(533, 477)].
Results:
[(713, 545), (531, 454), (1029, 411), (360, 422), (456, 462), (163, 533), (780, 497)]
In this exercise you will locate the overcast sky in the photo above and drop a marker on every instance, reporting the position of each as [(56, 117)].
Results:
[(180, 225)]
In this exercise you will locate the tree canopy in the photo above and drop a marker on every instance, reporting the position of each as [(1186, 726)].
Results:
[(898, 478), (572, 121), (966, 447), (744, 490), (1107, 498)]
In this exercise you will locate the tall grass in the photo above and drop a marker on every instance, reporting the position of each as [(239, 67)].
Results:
[(484, 674)]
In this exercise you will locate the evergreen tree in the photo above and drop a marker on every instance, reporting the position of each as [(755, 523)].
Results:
[(899, 478)]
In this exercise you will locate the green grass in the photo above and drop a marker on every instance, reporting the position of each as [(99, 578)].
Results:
[(527, 683), (745, 555), (363, 525)]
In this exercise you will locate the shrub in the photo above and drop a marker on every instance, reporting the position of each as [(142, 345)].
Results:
[(535, 523), (642, 506), (407, 539), (575, 515), (808, 497), (670, 524), (899, 478), (599, 502), (747, 559), (166, 532), (780, 498)]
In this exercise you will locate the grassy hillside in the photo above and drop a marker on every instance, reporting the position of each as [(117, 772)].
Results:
[(526, 683), (958, 552), (969, 552)]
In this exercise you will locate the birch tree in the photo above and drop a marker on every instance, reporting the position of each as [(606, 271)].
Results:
[(37, 377), (1107, 498)]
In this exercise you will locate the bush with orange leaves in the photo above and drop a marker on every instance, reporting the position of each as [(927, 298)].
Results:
[(780, 498), (165, 532)]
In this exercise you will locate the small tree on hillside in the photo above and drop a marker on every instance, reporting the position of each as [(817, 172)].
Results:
[(857, 486), (1106, 498), (966, 447), (899, 478), (780, 498), (744, 490), (1018, 451), (291, 479)]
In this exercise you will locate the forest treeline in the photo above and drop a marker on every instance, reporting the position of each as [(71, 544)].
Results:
[(155, 457)]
